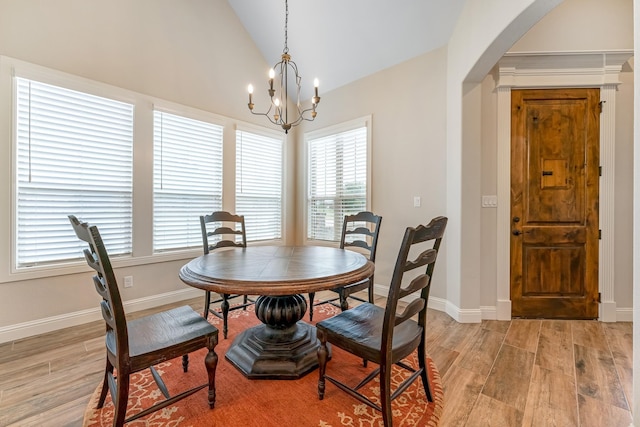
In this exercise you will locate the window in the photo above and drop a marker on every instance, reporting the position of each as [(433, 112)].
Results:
[(259, 184), (74, 157), (337, 178), (187, 179)]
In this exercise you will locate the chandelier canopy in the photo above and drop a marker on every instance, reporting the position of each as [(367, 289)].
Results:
[(278, 112)]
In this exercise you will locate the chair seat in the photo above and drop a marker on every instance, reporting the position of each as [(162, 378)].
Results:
[(167, 333), (359, 331)]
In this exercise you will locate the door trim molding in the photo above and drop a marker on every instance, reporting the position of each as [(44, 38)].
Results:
[(541, 70)]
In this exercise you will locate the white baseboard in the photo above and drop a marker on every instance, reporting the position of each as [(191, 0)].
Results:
[(441, 304), (464, 315), (620, 314), (624, 314), (53, 323), (500, 312)]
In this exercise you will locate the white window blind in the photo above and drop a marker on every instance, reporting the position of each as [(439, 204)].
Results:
[(187, 179), (74, 157), (259, 184), (337, 181)]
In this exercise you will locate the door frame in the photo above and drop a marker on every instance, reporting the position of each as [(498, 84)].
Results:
[(551, 71)]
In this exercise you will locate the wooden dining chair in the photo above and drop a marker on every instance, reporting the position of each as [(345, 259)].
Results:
[(222, 229), (135, 345), (360, 232), (382, 335)]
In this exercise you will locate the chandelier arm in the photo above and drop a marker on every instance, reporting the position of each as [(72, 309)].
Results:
[(266, 115)]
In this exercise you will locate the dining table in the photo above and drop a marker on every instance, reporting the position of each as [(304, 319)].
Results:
[(282, 346)]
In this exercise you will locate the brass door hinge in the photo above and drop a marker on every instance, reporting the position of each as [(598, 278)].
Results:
[(599, 297)]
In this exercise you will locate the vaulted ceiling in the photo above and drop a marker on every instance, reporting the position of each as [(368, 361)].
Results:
[(340, 41)]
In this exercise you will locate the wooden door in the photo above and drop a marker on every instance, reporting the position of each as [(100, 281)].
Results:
[(554, 203)]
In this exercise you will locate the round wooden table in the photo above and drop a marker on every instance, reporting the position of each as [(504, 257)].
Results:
[(283, 346)]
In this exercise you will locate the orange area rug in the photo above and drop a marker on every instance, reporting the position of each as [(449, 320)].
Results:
[(265, 403)]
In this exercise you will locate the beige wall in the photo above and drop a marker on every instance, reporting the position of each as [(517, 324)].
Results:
[(581, 25)]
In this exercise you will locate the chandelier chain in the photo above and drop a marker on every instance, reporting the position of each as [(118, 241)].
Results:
[(286, 24)]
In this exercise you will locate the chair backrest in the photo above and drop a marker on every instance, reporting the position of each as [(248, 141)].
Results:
[(422, 243), (358, 229), (106, 285), (217, 225)]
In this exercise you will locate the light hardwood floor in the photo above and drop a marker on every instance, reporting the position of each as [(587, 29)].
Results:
[(516, 373)]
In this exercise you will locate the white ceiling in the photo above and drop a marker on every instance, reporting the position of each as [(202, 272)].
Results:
[(340, 41)]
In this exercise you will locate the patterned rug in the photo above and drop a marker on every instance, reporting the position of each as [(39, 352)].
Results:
[(265, 403)]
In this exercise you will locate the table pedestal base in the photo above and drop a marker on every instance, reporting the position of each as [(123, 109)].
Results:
[(289, 356), (282, 347)]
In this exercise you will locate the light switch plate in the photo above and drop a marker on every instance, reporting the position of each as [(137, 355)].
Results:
[(489, 201)]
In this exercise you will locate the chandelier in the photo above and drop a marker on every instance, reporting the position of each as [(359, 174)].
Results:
[(279, 112)]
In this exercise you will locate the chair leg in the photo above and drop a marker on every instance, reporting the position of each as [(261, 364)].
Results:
[(245, 300), (211, 362), (120, 405), (371, 296), (322, 363), (225, 314), (185, 362), (344, 304), (207, 301), (312, 295), (422, 362), (385, 394), (108, 371)]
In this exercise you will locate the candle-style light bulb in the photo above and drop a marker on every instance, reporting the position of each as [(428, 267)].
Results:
[(272, 74), (250, 89), (276, 114), (316, 83)]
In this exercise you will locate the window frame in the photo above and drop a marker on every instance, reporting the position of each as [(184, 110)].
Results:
[(10, 70), (364, 121)]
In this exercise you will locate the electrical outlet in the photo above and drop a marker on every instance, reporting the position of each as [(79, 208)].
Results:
[(128, 281), (416, 201)]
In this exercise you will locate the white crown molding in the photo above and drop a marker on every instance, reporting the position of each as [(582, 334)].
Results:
[(561, 69)]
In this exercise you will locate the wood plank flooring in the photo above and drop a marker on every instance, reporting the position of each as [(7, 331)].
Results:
[(516, 373)]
